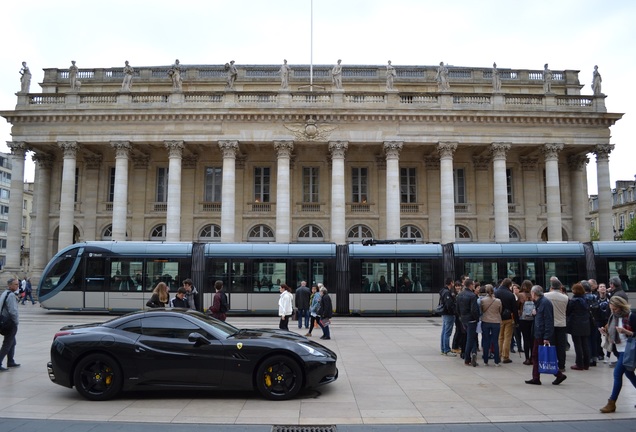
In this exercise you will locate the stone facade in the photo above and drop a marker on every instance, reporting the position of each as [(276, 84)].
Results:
[(623, 207), (259, 161)]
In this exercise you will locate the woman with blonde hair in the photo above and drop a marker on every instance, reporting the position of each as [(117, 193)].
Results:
[(621, 325), (160, 296)]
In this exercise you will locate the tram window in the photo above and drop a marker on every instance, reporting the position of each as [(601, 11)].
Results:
[(269, 275), (484, 271), (163, 270), (414, 277), (529, 271), (125, 275), (318, 274), (380, 276), (565, 270), (95, 277), (625, 270), (301, 273)]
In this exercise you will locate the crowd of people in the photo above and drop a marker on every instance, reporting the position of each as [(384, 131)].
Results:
[(522, 318)]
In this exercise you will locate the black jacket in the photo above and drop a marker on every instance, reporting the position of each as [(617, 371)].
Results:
[(446, 298), (467, 307), (509, 307), (326, 308), (578, 316)]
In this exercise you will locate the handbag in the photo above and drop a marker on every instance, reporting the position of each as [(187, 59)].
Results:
[(5, 322), (548, 363), (629, 358)]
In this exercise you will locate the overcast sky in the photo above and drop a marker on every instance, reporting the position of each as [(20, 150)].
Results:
[(566, 34)]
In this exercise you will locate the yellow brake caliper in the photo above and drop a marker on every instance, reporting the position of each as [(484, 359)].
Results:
[(268, 378)]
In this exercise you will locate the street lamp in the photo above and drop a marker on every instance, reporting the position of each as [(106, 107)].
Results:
[(618, 235)]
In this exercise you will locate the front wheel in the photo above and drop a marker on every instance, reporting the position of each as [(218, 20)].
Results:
[(98, 377), (279, 378)]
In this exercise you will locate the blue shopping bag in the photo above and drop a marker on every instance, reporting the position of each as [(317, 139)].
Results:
[(629, 358), (548, 363)]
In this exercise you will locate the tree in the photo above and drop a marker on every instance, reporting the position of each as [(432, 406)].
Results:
[(594, 235), (630, 231)]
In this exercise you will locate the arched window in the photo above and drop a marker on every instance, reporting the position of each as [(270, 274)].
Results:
[(513, 234), (311, 232), (411, 232), (544, 235), (158, 233), (107, 234), (462, 234), (261, 233), (359, 232), (210, 233)]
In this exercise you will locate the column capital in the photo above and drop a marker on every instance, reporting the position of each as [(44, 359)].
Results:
[(175, 148), (602, 151), (392, 149), (122, 148), (93, 161), (17, 147), (69, 148), (446, 149), (338, 149), (551, 151), (528, 163), (284, 148), (577, 162), (481, 163), (228, 148), (499, 150), (44, 160)]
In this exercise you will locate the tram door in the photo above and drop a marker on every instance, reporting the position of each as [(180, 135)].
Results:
[(94, 283)]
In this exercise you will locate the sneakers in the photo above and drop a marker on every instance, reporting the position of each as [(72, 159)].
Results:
[(534, 382), (3, 369), (450, 354), (559, 380), (308, 334), (12, 365)]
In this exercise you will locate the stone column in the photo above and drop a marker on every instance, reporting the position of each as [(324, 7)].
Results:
[(14, 229), (606, 228), (90, 186), (139, 196), (120, 198), (392, 150), (580, 227), (483, 197), (553, 190), (283, 199), (338, 150), (67, 196), (39, 236), (500, 196), (228, 191), (447, 190), (531, 194), (173, 214)]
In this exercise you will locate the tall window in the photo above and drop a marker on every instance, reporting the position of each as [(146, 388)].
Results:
[(408, 190), (5, 194), (213, 184), (77, 178), (310, 184), (359, 185), (111, 185), (621, 219), (460, 185), (162, 185), (261, 184), (510, 186)]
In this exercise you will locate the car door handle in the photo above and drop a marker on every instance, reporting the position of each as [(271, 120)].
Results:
[(139, 349)]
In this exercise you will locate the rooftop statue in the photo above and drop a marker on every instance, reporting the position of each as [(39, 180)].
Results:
[(128, 77), (175, 73), (496, 79), (547, 79), (25, 78), (442, 78), (390, 76), (596, 82), (336, 75), (284, 75), (232, 74), (72, 76)]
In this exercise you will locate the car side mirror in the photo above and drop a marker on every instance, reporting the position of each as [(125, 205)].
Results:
[(198, 339)]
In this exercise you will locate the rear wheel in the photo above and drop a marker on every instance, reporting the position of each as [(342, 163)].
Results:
[(98, 377), (279, 378)]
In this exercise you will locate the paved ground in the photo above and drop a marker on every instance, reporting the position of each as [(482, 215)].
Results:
[(391, 373)]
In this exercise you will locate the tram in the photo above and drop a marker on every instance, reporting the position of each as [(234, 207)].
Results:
[(369, 278)]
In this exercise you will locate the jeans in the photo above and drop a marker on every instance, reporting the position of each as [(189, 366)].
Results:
[(303, 315), (29, 296), (619, 371), (8, 346), (471, 340), (447, 329), (490, 336)]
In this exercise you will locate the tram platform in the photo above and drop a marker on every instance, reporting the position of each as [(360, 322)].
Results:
[(391, 375)]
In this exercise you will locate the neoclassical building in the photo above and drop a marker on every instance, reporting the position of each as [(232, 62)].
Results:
[(247, 153)]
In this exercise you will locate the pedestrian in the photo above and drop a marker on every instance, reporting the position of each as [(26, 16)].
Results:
[(326, 312), (220, 304), (28, 291), (468, 311), (578, 325), (447, 302), (285, 308), (9, 312), (192, 295), (543, 331), (303, 295), (559, 302), (180, 300), (314, 302), (160, 296), (621, 325), (490, 324)]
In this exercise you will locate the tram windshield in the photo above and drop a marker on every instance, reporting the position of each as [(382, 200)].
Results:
[(57, 272)]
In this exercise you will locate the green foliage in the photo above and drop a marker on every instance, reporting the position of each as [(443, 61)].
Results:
[(630, 231), (594, 235)]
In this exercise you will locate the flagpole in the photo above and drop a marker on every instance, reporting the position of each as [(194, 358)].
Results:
[(311, 49)]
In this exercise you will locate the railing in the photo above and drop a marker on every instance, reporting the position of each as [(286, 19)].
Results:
[(512, 208), (46, 99), (311, 97), (364, 98), (409, 208), (360, 208), (462, 208), (257, 97), (575, 101), (260, 207), (108, 207), (149, 98), (471, 100), (310, 207), (160, 207), (211, 207), (524, 100), (204, 97), (418, 99), (104, 98)]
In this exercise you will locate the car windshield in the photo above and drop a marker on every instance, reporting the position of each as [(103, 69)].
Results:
[(220, 326)]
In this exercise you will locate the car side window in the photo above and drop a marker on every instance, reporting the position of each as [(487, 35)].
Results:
[(168, 327), (132, 326)]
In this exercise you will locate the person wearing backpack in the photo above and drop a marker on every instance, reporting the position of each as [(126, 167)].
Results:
[(219, 302), (447, 311), (526, 318)]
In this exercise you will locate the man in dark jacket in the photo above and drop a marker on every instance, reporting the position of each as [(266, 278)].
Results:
[(509, 316), (616, 288), (468, 311), (302, 304), (447, 303), (543, 331), (325, 310)]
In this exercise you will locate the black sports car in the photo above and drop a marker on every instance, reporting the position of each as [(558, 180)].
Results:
[(178, 348)]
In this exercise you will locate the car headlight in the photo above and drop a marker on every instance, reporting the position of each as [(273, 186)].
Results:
[(311, 350)]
